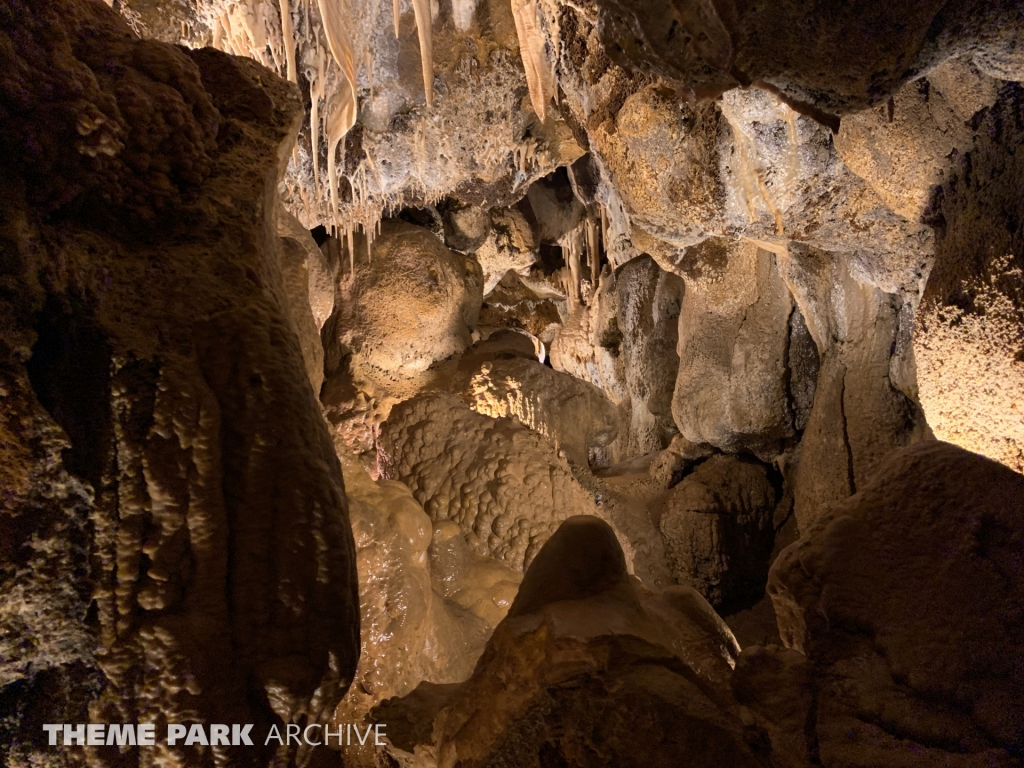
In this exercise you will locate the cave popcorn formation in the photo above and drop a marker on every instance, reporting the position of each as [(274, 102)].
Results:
[(605, 382)]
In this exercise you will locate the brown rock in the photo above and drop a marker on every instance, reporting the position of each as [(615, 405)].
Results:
[(145, 312), (968, 341), (504, 484), (905, 598), (734, 337), (718, 531)]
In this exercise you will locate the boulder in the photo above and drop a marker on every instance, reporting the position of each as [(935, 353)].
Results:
[(410, 303), (906, 600)]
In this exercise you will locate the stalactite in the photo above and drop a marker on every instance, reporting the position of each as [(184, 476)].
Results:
[(338, 39), (341, 117), (462, 14), (288, 38), (396, 8), (572, 248), (316, 93), (593, 251), (421, 10), (540, 74)]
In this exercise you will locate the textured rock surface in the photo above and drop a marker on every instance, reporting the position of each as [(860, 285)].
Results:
[(905, 156), (503, 484), (718, 529), (428, 604), (731, 390), (841, 60), (593, 676), (649, 307), (624, 343), (969, 340), (574, 414), (907, 600), (199, 504), (410, 303), (304, 272), (863, 406), (513, 305), (510, 245)]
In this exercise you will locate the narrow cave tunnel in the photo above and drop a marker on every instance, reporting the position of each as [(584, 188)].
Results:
[(529, 384)]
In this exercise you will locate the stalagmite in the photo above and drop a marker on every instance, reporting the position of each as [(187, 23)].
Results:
[(540, 74)]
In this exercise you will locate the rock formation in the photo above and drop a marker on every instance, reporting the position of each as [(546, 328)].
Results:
[(553, 383), (176, 544)]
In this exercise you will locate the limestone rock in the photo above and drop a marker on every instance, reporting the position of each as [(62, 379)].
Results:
[(903, 157), (465, 226), (502, 483), (835, 62), (905, 600), (145, 312), (718, 529), (574, 414), (410, 303), (320, 269), (650, 302), (513, 305), (428, 604), (579, 666), (303, 271), (863, 406), (734, 340), (511, 244), (968, 340), (623, 342)]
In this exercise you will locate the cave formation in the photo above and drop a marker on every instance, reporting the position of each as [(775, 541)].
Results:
[(533, 383)]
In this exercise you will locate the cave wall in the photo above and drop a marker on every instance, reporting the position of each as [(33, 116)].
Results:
[(177, 544)]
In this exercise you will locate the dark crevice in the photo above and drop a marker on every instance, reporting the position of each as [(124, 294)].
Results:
[(846, 436)]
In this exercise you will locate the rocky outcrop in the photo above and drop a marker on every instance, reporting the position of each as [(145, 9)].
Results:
[(835, 62), (863, 405), (574, 414), (592, 673), (732, 390), (502, 483), (719, 531), (308, 282), (176, 495), (509, 246), (904, 151), (428, 604), (513, 305), (649, 306), (905, 600), (409, 303), (624, 343), (968, 341)]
